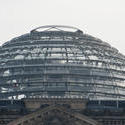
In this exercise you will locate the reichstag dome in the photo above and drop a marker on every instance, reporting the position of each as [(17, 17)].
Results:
[(61, 62)]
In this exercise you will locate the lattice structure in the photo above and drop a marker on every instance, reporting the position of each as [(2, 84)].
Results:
[(61, 61)]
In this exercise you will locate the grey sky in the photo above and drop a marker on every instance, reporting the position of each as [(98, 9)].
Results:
[(104, 19)]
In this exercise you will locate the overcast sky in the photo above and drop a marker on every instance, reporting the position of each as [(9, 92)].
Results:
[(104, 19)]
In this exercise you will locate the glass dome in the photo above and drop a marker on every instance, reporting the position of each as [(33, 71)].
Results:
[(61, 61)]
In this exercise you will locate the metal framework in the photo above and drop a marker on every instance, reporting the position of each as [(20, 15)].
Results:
[(61, 61)]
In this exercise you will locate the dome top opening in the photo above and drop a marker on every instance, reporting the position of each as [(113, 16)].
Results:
[(56, 28)]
